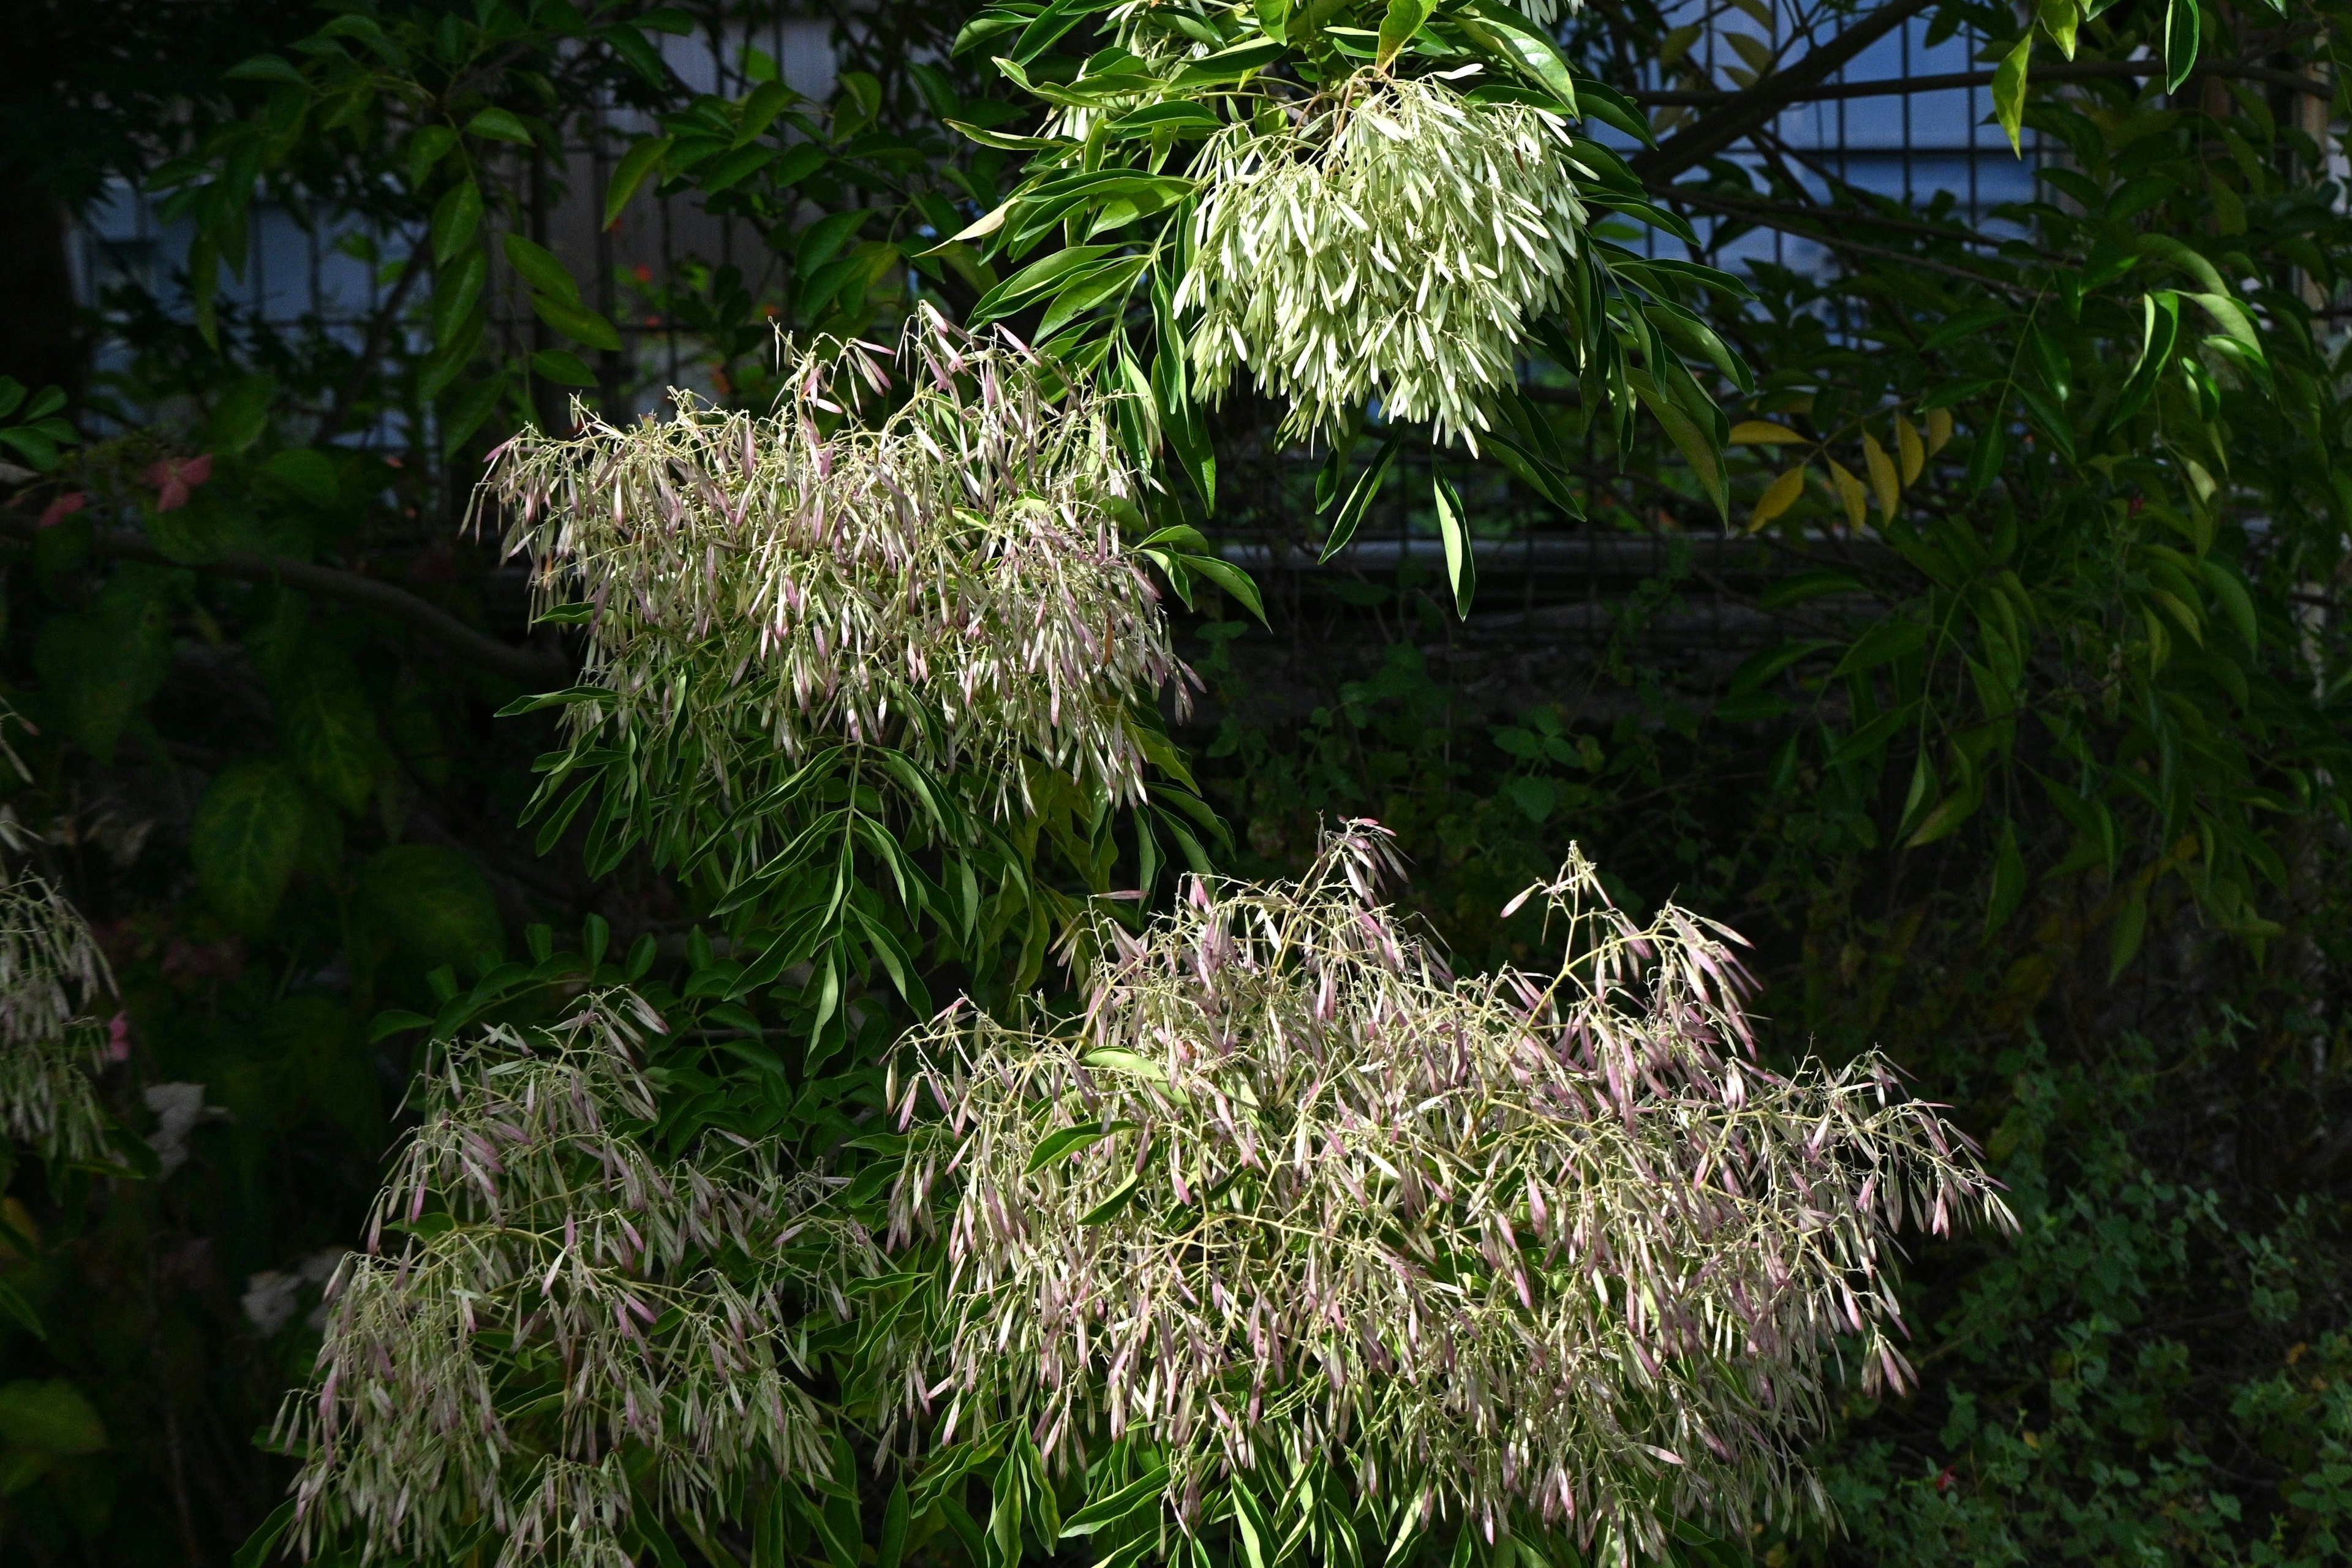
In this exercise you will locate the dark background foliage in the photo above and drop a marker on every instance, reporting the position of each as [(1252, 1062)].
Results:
[(2038, 785)]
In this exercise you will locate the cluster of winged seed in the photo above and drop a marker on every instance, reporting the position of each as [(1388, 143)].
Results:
[(553, 1298), (934, 567), (1291, 1192), (1390, 248), (51, 976)]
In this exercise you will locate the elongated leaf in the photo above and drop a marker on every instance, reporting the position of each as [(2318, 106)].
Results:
[(1403, 20), (1778, 497), (1360, 495), (14, 1308), (577, 321), (1454, 528), (2009, 91), (456, 216), (1881, 468), (1882, 644), (459, 290), (1112, 1510), (1111, 1207), (499, 126), (644, 156), (541, 269), (2181, 28)]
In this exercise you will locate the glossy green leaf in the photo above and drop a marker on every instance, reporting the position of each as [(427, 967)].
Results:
[(1402, 19), (455, 217), (577, 321), (541, 269), (562, 367), (1453, 529), (1360, 495), (2180, 30), (2009, 91), (499, 126), (644, 156)]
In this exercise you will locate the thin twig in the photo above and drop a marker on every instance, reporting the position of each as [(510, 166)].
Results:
[(1748, 111), (529, 667), (1771, 216), (1893, 87)]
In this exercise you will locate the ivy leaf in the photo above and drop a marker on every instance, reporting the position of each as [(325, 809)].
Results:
[(50, 1418), (99, 669), (245, 839), (243, 412), (308, 473), (434, 903), (328, 730)]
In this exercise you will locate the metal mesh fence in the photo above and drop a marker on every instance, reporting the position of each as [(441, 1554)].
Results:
[(305, 271)]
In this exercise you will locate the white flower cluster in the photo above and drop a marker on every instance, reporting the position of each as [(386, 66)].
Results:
[(51, 1044), (1391, 248), (1291, 1193), (946, 579), (556, 1300)]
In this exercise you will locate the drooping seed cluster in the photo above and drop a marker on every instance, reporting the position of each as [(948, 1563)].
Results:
[(52, 975), (1290, 1190), (1392, 248), (946, 577), (541, 1298)]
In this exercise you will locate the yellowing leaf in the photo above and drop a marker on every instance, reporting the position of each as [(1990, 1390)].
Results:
[(1778, 497), (1763, 433), (1753, 50), (2009, 90), (1849, 491), (2060, 18), (1939, 429), (1908, 450), (1881, 468)]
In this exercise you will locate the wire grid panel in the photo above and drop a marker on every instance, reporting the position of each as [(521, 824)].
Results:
[(315, 271)]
